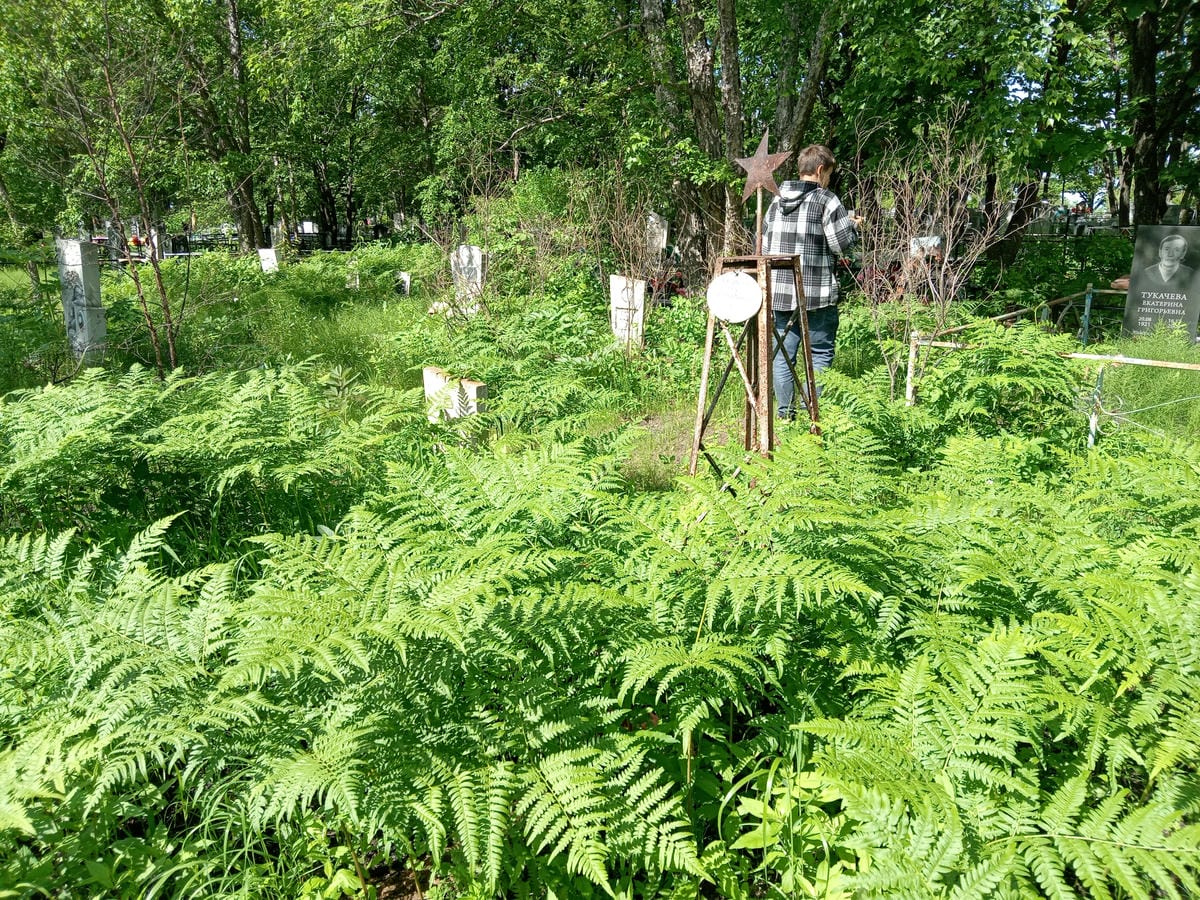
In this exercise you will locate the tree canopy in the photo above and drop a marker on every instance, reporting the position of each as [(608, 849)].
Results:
[(266, 112)]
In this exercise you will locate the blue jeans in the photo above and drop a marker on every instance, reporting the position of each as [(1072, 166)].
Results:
[(822, 329)]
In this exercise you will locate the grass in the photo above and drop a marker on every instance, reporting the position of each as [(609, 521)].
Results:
[(12, 278), (1165, 401), (237, 318)]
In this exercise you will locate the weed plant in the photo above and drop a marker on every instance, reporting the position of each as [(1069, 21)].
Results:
[(1163, 401), (272, 633)]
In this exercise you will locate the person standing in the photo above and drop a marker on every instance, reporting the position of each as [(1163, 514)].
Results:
[(806, 219)]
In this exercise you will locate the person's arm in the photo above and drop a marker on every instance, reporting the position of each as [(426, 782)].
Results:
[(840, 231)]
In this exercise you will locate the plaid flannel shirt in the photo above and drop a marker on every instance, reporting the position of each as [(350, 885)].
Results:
[(808, 220)]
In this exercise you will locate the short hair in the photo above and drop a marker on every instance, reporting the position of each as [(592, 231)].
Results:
[(1173, 239), (813, 157)]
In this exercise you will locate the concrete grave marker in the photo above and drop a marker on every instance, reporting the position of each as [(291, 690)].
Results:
[(452, 398), (268, 259), (83, 313), (468, 267), (117, 251), (656, 233), (627, 308)]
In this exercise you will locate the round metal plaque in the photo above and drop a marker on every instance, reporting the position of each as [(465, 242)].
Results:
[(734, 297)]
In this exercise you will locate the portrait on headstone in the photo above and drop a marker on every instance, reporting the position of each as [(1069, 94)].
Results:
[(1164, 283)]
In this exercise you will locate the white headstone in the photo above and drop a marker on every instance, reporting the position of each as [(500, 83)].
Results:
[(656, 233), (468, 267), (452, 398), (268, 259), (83, 313), (627, 308), (403, 282)]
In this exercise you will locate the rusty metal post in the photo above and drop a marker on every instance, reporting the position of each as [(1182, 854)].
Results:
[(698, 436)]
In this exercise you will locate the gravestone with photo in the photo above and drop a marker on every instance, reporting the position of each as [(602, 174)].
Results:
[(83, 313), (1164, 282), (627, 308)]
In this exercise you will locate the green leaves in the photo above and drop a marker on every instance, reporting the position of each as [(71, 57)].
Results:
[(908, 658)]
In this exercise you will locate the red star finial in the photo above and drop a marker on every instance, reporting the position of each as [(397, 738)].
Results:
[(760, 166)]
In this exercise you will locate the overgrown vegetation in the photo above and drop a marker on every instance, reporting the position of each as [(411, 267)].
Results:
[(268, 632)]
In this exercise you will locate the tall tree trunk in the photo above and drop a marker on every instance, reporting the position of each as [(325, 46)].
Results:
[(327, 213), (731, 99), (1124, 176), (662, 67), (701, 88), (1143, 94), (701, 83), (1005, 250), (793, 130)]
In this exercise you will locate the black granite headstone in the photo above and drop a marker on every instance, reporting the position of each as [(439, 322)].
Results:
[(1164, 283)]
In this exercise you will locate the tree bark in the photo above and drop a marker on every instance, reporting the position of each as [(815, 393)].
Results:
[(1006, 249), (662, 69), (701, 83), (702, 93), (1145, 160), (249, 220), (793, 130), (731, 98), (327, 214)]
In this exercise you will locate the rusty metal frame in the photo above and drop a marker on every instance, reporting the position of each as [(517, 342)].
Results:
[(758, 337)]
